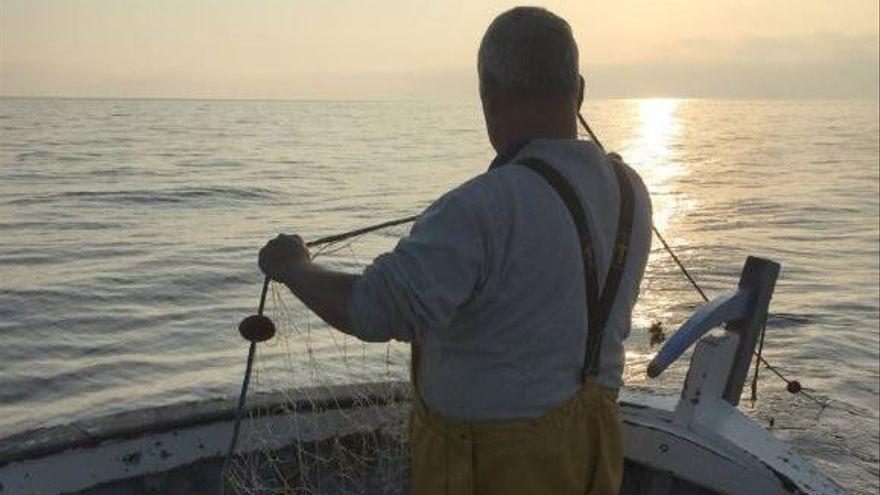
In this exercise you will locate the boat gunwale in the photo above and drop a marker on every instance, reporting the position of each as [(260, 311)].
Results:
[(638, 408), (43, 442)]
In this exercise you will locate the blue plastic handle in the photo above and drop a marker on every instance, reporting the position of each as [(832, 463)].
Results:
[(730, 306)]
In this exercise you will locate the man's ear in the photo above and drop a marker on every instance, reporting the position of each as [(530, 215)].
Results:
[(580, 97)]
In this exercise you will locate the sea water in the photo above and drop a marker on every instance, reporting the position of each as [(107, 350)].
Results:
[(129, 231)]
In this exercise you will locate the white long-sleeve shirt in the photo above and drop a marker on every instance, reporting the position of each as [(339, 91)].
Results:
[(490, 283)]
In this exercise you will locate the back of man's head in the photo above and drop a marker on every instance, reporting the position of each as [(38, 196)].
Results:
[(529, 53)]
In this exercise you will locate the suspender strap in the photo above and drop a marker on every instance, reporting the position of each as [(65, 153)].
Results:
[(598, 307), (568, 196), (618, 255)]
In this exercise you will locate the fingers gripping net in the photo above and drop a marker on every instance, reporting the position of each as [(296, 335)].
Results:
[(336, 406)]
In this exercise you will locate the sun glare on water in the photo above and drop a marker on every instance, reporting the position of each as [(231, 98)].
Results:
[(651, 152), (655, 151)]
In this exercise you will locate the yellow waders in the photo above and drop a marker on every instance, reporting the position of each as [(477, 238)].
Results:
[(574, 449)]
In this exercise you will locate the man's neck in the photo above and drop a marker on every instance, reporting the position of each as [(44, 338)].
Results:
[(541, 121), (513, 136)]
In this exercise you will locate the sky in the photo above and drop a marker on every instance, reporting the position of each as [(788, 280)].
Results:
[(342, 49)]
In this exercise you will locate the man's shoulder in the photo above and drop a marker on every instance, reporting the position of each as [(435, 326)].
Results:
[(639, 187), (477, 205), (487, 188)]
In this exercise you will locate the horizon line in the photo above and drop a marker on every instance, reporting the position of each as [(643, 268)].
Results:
[(874, 97)]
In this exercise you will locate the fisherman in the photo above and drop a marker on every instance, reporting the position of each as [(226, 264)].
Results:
[(515, 289)]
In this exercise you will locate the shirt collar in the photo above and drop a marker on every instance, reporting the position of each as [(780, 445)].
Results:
[(508, 153)]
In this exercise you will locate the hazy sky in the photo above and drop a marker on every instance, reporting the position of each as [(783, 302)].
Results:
[(427, 48)]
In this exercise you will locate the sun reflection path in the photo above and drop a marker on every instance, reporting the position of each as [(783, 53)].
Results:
[(654, 150), (649, 152)]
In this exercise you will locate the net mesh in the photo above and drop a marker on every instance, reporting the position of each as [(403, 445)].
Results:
[(337, 405)]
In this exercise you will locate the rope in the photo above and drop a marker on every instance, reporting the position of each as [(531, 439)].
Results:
[(678, 262), (364, 230), (793, 386)]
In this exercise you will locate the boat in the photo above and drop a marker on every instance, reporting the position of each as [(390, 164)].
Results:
[(697, 442)]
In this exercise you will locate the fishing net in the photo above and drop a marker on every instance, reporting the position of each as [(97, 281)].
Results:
[(338, 405), (343, 399)]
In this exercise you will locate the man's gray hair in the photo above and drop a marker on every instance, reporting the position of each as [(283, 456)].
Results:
[(529, 52)]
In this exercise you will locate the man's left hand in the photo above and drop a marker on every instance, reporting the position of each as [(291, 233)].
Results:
[(280, 253)]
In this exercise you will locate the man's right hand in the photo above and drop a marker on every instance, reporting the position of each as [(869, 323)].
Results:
[(281, 252)]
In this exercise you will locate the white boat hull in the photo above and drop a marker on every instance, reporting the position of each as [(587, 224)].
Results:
[(178, 449)]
